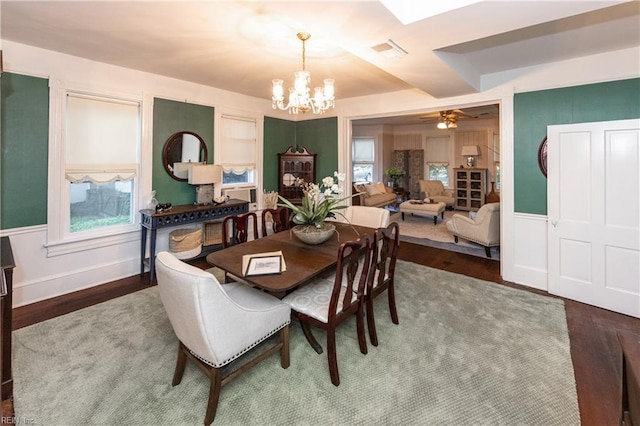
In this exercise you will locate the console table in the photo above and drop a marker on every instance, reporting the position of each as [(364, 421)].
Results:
[(177, 216)]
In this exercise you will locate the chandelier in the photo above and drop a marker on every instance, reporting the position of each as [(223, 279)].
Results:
[(299, 99)]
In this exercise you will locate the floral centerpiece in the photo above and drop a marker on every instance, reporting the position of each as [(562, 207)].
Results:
[(319, 202)]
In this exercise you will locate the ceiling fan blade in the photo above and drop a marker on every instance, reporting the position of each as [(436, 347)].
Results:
[(431, 116)]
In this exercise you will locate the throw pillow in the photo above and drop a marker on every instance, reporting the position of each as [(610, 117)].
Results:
[(360, 187), (375, 189)]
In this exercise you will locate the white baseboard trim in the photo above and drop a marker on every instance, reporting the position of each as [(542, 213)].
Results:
[(80, 279)]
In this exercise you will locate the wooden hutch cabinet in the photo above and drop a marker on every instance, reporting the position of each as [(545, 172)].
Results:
[(292, 164), (470, 188)]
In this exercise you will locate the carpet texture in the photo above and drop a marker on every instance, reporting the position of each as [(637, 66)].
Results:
[(419, 229), (465, 352)]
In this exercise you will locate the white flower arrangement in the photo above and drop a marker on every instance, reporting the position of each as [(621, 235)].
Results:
[(319, 201)]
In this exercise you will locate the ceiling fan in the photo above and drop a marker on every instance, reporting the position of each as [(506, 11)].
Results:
[(448, 119)]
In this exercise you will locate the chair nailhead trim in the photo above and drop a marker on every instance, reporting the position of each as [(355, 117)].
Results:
[(242, 352)]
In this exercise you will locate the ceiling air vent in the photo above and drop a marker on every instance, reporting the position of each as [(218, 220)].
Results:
[(389, 49)]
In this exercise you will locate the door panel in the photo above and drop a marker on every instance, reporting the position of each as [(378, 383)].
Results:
[(594, 213)]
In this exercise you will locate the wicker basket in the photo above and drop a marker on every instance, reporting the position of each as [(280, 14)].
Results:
[(185, 243)]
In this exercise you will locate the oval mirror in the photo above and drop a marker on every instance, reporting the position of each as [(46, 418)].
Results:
[(181, 149)]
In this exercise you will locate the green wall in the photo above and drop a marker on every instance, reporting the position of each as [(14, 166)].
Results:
[(278, 136), (24, 130), (534, 111), (170, 117), (318, 136), (24, 137)]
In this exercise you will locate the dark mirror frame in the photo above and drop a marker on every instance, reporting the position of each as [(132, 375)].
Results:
[(172, 152), (542, 156)]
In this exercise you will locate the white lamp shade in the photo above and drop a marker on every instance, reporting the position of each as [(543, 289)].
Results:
[(203, 174), (470, 151), (181, 170)]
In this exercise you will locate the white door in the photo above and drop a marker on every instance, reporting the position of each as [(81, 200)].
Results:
[(593, 186)]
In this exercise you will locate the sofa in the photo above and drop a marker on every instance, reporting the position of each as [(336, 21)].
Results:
[(483, 228), (434, 189), (373, 195)]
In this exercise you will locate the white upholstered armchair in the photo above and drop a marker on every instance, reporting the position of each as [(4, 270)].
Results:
[(216, 324), (484, 229)]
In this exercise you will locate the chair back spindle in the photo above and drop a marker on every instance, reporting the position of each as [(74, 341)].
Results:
[(236, 229), (279, 220)]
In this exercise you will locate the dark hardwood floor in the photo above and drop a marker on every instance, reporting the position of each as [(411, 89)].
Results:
[(592, 331)]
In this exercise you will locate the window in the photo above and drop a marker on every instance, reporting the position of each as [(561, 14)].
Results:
[(363, 158), (238, 146), (94, 168), (437, 158), (101, 146), (439, 171), (496, 160)]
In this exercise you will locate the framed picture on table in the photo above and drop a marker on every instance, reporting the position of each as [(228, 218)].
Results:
[(263, 265)]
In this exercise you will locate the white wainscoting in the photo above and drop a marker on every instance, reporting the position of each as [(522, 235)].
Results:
[(38, 277), (530, 250)]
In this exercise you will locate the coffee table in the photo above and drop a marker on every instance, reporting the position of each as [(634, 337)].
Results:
[(432, 209)]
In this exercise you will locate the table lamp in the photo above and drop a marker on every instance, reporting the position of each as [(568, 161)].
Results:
[(470, 151), (204, 176)]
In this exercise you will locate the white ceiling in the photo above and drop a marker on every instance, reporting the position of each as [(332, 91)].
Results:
[(241, 45)]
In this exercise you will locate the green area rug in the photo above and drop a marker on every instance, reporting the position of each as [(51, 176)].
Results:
[(465, 352)]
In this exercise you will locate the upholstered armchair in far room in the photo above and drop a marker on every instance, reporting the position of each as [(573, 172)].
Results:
[(435, 190), (484, 229)]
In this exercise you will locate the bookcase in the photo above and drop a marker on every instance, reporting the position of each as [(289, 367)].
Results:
[(294, 164), (470, 188)]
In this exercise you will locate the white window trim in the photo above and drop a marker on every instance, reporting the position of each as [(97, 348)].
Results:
[(59, 240)]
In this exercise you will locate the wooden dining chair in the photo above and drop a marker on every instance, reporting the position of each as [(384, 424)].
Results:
[(384, 253), (236, 229), (279, 220), (326, 303)]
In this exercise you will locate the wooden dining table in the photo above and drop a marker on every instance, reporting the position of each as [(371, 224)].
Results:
[(303, 262)]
